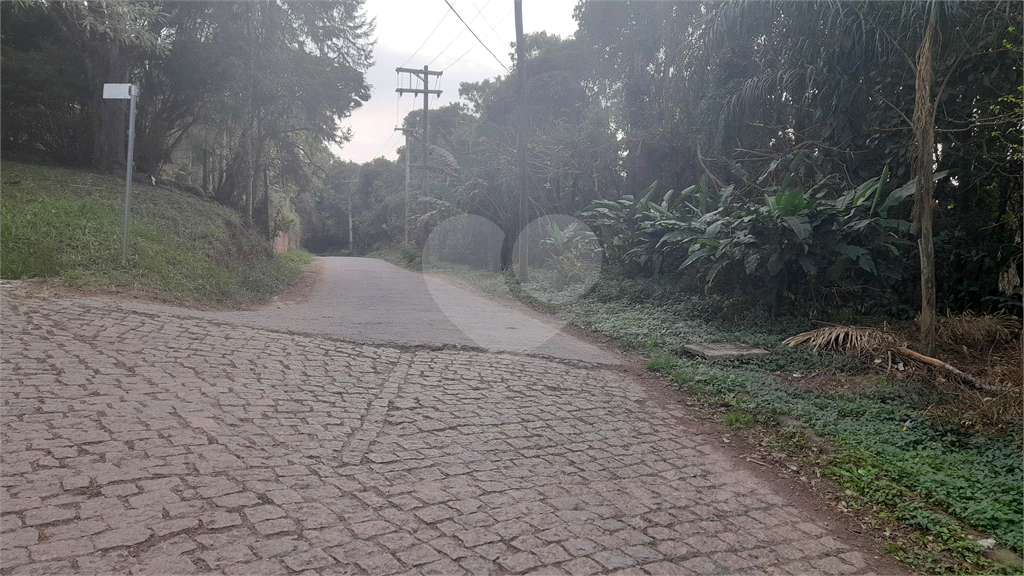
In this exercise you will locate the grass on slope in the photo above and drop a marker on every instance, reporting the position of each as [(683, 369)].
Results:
[(67, 224)]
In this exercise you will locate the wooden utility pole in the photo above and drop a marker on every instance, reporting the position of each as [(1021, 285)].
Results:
[(423, 75), (405, 132), (352, 185), (524, 274)]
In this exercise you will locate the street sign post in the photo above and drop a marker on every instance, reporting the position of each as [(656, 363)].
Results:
[(125, 92)]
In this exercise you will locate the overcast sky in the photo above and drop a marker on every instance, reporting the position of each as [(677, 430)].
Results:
[(414, 33)]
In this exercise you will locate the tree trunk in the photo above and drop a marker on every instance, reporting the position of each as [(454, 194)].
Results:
[(924, 145), (108, 63)]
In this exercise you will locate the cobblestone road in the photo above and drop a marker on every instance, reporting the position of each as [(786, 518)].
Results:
[(156, 443)]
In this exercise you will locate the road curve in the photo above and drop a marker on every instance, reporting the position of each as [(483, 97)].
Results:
[(148, 440), (369, 301)]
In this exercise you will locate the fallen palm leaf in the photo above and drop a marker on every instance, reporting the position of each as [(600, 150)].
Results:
[(847, 339), (858, 340), (973, 330)]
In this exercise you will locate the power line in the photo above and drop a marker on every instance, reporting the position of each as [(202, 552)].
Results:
[(471, 48), (390, 138), (428, 37), (479, 13), (475, 36)]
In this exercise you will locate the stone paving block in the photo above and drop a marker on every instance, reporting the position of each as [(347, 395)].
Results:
[(666, 569), (9, 522), (19, 538), (37, 516), (75, 529), (245, 450), (476, 536), (613, 559), (520, 562), (210, 487), (493, 550), (479, 566), (309, 560), (435, 513), (121, 537), (257, 514), (70, 483), (365, 530), (417, 555), (703, 565), (274, 546), (276, 526), (11, 558), (580, 546), (117, 490), (442, 567), (224, 556), (220, 519), (450, 547), (54, 549), (165, 565), (173, 526), (379, 563), (582, 567)]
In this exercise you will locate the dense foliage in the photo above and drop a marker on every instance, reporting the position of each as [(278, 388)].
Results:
[(789, 131), (237, 100)]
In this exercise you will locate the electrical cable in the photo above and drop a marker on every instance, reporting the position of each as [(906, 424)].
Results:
[(475, 36), (503, 18), (479, 13), (385, 145), (428, 37)]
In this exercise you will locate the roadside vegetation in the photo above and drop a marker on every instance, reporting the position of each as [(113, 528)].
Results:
[(67, 225), (748, 171), (897, 441), (912, 460)]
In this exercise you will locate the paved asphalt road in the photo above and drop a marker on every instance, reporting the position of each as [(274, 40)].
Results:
[(370, 301), (320, 437)]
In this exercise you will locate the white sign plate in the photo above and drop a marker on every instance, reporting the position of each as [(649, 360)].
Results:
[(117, 91)]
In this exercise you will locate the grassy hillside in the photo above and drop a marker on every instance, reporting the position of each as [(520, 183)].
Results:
[(67, 224)]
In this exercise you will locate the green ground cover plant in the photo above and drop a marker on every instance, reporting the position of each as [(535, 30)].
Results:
[(932, 475), (944, 482), (67, 225)]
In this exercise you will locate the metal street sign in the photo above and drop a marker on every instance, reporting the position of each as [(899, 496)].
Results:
[(117, 91), (125, 92)]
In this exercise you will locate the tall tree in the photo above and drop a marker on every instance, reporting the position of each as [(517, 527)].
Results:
[(924, 146), (110, 35)]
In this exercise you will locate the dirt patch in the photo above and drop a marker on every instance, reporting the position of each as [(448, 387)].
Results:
[(306, 285), (791, 474), (298, 292), (52, 287)]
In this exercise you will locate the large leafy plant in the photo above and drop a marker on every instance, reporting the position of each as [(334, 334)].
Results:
[(806, 243), (800, 243)]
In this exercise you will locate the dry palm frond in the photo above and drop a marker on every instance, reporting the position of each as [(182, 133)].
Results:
[(845, 339), (993, 411), (974, 330)]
